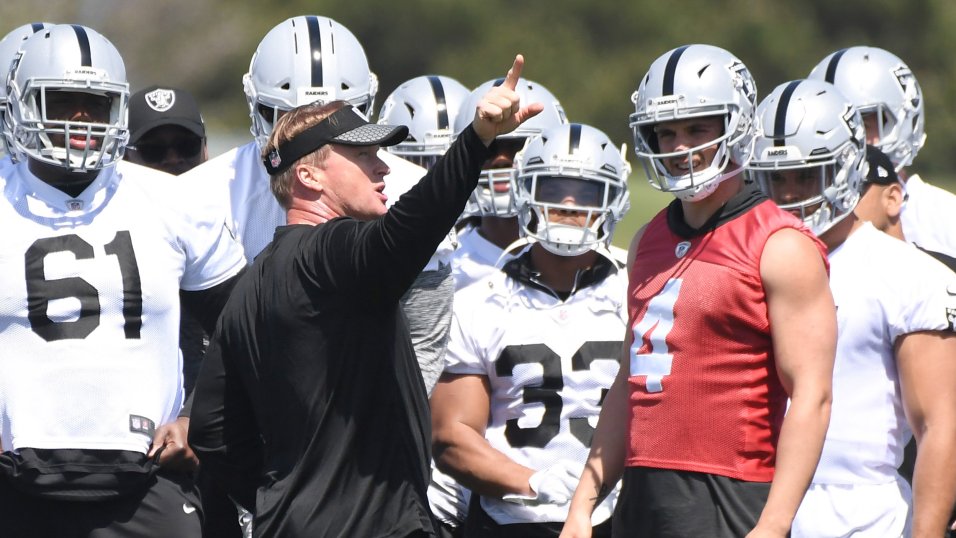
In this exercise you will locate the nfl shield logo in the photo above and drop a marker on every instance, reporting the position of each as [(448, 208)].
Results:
[(682, 249), (274, 159), (161, 100)]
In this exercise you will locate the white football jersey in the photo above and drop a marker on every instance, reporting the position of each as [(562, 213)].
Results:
[(89, 314), (927, 217), (883, 289), (475, 258), (549, 364)]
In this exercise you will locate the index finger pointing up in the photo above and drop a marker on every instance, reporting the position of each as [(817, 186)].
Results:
[(511, 79)]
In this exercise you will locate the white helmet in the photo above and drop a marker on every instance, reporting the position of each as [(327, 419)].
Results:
[(809, 125), (9, 46), (68, 58), (428, 106), (486, 200), (577, 161), (303, 60), (690, 82), (876, 81)]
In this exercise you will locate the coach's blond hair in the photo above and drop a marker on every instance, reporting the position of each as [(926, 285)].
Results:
[(288, 127)]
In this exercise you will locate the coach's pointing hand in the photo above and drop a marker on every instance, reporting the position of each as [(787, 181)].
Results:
[(499, 111)]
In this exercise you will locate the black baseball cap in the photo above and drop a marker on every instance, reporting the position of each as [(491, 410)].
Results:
[(161, 105), (881, 170), (345, 126)]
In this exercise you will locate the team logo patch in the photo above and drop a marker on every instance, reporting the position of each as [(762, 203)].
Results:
[(161, 100), (682, 248), (274, 159), (951, 316), (74, 205)]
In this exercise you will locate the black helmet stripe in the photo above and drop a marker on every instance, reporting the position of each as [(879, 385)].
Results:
[(670, 71), (83, 40), (315, 49), (780, 119), (574, 138), (832, 65), (36, 27), (439, 92)]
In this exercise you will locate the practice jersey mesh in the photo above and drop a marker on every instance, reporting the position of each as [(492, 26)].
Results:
[(704, 393), (89, 316)]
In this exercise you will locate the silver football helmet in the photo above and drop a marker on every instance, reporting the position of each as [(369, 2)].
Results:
[(811, 157), (303, 60), (78, 60), (691, 82), (9, 46), (428, 106), (566, 172), (493, 197), (878, 82)]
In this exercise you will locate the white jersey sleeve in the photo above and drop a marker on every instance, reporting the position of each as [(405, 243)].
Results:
[(549, 364), (253, 213), (927, 217)]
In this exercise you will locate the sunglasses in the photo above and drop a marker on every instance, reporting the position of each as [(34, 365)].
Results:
[(186, 148)]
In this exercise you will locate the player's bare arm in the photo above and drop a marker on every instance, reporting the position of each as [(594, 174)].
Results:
[(803, 329), (927, 369), (460, 407)]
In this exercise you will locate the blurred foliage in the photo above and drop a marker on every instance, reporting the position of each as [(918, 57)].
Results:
[(591, 54)]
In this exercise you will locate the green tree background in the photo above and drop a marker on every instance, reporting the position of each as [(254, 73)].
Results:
[(590, 54)]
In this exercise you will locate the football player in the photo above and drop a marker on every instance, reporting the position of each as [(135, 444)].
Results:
[(724, 286), (97, 254), (489, 224), (535, 345), (885, 91), (893, 370)]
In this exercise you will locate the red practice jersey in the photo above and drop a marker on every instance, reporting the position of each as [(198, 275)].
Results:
[(704, 392)]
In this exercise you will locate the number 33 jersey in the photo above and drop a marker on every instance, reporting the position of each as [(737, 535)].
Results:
[(89, 308), (549, 364)]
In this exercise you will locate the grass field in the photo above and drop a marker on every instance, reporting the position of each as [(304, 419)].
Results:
[(646, 201)]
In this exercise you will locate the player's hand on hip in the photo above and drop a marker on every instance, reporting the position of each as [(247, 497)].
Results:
[(170, 443), (499, 111)]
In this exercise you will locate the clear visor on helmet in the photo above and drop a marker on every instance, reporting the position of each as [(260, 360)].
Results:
[(566, 215)]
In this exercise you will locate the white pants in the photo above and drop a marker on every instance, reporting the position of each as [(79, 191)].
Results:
[(861, 510)]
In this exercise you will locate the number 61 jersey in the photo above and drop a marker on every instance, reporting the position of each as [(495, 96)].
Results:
[(89, 308), (549, 364)]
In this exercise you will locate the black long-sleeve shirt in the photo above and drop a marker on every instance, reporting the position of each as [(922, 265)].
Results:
[(310, 402)]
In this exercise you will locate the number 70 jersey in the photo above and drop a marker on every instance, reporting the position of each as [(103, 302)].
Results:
[(89, 308)]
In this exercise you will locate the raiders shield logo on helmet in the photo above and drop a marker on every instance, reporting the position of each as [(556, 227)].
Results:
[(161, 100)]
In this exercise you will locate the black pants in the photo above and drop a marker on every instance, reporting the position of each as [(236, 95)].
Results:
[(662, 503), (480, 525), (167, 507)]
